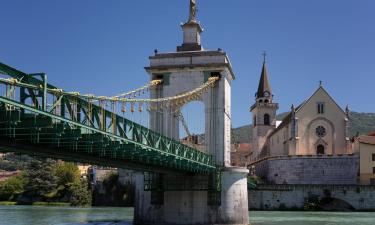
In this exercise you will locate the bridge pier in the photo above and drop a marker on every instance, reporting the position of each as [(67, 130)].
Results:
[(195, 207)]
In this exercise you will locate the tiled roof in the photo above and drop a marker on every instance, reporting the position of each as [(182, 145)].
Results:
[(366, 139), (285, 121)]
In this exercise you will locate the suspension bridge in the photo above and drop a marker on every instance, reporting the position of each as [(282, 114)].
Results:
[(175, 183), (38, 118)]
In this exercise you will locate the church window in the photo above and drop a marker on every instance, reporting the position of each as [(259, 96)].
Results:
[(255, 121), (320, 131), (373, 170), (266, 119), (266, 101), (373, 157), (320, 107), (320, 149)]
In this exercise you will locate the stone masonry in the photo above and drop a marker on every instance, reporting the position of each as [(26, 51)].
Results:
[(275, 197), (317, 169)]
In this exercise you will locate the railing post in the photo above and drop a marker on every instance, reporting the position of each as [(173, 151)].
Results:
[(44, 104), (44, 95)]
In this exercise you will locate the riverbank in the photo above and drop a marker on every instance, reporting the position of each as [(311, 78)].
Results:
[(56, 204)]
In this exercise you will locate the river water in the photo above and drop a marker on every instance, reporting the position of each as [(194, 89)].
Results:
[(39, 215)]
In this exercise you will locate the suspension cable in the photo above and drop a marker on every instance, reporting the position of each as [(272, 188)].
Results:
[(181, 98)]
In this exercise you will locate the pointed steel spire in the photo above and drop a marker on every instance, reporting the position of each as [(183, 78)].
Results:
[(264, 85)]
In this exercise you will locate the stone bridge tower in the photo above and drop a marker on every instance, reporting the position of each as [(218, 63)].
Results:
[(181, 71)]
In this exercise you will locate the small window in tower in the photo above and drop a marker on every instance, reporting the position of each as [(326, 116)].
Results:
[(255, 120), (373, 157), (320, 107), (373, 170), (266, 101), (266, 119)]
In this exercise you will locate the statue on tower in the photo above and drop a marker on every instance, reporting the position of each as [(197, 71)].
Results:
[(193, 11)]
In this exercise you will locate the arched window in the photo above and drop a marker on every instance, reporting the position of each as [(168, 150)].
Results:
[(261, 101), (266, 101), (320, 149), (255, 120), (266, 119)]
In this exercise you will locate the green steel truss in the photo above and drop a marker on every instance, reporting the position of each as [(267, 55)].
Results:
[(39, 122)]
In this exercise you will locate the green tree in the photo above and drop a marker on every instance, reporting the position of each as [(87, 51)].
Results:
[(41, 179), (12, 187), (66, 173), (80, 195)]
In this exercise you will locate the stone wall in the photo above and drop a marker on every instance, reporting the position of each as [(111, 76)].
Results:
[(275, 197), (317, 169)]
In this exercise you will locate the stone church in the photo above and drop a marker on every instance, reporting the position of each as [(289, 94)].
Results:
[(317, 126), (311, 144)]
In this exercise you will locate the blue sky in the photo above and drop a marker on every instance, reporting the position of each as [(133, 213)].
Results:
[(101, 47)]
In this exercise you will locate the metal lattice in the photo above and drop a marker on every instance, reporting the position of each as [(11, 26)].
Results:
[(76, 129)]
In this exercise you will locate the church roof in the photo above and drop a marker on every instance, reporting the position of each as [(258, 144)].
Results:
[(286, 120), (264, 84), (288, 117)]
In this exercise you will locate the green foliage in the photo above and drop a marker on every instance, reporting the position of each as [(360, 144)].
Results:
[(66, 173), (12, 187), (41, 179), (361, 123), (116, 193), (45, 182), (7, 203), (13, 162), (80, 195)]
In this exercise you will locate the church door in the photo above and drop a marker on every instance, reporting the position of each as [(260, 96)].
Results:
[(320, 149)]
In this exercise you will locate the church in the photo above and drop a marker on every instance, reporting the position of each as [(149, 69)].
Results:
[(311, 145), (317, 126)]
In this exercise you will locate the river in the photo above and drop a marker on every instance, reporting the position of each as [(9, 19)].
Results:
[(39, 215)]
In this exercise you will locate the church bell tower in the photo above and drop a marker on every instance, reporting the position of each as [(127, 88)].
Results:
[(264, 114)]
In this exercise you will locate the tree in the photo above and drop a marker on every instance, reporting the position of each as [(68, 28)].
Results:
[(12, 187), (40, 178), (80, 195), (66, 173)]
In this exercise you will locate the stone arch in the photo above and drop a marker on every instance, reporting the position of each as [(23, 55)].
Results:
[(216, 101), (192, 115), (320, 147), (312, 144)]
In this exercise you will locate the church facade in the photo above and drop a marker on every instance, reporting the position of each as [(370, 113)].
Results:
[(318, 126), (310, 145)]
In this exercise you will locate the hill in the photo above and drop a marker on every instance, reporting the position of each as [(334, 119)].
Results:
[(361, 123)]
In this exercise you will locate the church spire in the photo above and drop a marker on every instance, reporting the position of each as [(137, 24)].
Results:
[(264, 87)]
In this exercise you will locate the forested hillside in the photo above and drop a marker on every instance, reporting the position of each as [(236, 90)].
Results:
[(361, 123)]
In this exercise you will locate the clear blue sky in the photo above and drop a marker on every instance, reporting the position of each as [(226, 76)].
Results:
[(101, 47)]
